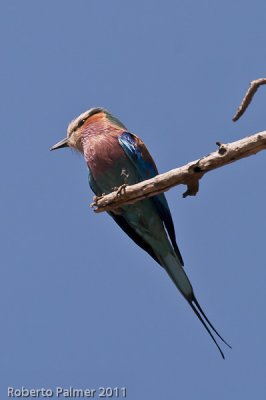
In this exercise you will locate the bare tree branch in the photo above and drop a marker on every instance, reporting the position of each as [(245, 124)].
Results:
[(188, 175), (254, 85)]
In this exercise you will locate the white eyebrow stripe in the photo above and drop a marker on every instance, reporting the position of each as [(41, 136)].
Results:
[(85, 115)]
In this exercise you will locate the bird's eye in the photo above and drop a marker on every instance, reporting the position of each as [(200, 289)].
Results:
[(80, 123)]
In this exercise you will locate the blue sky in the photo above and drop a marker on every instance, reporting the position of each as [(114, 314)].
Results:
[(81, 305)]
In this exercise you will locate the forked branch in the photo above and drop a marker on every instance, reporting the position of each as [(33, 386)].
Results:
[(254, 85)]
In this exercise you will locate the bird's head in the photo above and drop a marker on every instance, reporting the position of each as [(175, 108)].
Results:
[(79, 126)]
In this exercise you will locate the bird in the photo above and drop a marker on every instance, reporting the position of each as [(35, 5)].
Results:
[(116, 157)]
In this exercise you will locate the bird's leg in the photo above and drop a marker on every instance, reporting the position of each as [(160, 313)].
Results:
[(121, 190)]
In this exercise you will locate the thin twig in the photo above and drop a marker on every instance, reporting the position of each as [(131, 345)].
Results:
[(254, 85), (188, 175)]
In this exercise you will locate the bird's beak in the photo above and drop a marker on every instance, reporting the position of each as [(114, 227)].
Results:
[(59, 145)]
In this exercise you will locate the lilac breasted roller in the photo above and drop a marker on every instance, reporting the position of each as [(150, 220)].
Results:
[(116, 157)]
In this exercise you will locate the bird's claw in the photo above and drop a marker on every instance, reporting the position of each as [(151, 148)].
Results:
[(95, 200), (121, 189)]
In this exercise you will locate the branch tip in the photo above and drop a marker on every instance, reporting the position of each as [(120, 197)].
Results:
[(254, 85)]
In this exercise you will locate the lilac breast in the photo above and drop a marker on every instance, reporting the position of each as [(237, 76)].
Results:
[(102, 150)]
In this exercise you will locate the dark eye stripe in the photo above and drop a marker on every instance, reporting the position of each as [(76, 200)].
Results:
[(81, 122)]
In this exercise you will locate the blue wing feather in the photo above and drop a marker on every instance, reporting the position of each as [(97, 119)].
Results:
[(137, 152)]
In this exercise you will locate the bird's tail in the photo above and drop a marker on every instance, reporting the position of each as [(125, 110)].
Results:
[(180, 279)]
